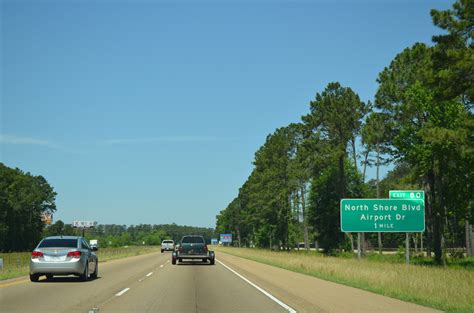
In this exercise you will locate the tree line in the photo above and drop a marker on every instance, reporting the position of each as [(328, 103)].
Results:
[(24, 198), (421, 121), (112, 235)]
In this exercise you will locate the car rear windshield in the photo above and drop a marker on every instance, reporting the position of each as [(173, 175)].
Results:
[(193, 240), (58, 243), (167, 241)]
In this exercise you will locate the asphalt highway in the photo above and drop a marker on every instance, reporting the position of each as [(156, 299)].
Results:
[(149, 283)]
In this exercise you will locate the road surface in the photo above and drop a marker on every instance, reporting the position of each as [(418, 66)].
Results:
[(149, 283)]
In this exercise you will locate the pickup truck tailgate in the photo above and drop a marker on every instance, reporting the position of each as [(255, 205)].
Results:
[(193, 248)]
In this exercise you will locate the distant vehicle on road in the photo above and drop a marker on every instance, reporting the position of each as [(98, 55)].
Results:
[(167, 245), (63, 255), (94, 243), (193, 248)]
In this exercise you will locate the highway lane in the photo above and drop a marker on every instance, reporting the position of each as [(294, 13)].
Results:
[(69, 294), (147, 283), (192, 287)]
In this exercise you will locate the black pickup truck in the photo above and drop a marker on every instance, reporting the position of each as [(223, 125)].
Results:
[(193, 248)]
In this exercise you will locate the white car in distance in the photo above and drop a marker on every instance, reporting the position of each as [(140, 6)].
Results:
[(167, 245)]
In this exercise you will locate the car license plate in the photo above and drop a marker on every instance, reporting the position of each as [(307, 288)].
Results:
[(52, 258)]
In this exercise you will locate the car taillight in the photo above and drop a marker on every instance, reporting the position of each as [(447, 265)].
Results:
[(74, 254), (180, 249), (205, 248), (36, 254)]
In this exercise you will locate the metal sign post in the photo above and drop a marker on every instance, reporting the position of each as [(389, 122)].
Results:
[(408, 194), (359, 254), (407, 248)]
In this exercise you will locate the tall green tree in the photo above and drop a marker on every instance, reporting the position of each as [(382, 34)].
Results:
[(429, 133), (376, 134), (453, 60), (453, 54), (269, 205), (300, 168), (336, 114), (23, 200), (272, 165), (335, 118), (324, 204)]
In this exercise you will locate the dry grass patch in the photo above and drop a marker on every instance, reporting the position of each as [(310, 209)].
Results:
[(17, 264), (442, 288)]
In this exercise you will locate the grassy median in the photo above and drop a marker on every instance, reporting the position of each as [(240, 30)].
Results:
[(17, 264), (447, 289)]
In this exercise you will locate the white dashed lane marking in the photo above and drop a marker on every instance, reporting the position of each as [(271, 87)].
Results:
[(122, 292)]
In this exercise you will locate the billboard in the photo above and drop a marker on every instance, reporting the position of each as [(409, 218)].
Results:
[(226, 238), (84, 224)]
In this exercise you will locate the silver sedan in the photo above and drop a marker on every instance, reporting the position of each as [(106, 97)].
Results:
[(63, 255)]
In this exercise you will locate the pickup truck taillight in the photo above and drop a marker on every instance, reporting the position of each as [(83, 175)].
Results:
[(74, 254), (180, 249), (36, 254), (205, 248)]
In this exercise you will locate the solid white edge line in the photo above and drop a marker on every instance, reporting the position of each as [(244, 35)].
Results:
[(284, 305), (122, 292), (149, 274)]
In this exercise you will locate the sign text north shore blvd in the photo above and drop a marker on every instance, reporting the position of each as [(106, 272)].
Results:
[(382, 215)]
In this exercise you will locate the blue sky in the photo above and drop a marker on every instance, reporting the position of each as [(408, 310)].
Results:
[(151, 111)]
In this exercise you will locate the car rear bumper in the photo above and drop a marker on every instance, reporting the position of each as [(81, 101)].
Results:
[(208, 256), (193, 256), (59, 268)]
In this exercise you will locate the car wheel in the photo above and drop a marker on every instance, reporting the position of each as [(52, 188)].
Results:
[(173, 261), (85, 276), (49, 276), (213, 261), (96, 272), (34, 277), (204, 260), (161, 250)]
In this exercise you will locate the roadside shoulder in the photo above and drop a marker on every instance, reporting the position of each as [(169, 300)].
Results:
[(310, 294)]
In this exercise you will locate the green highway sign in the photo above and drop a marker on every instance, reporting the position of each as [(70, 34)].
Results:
[(382, 215), (406, 194)]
